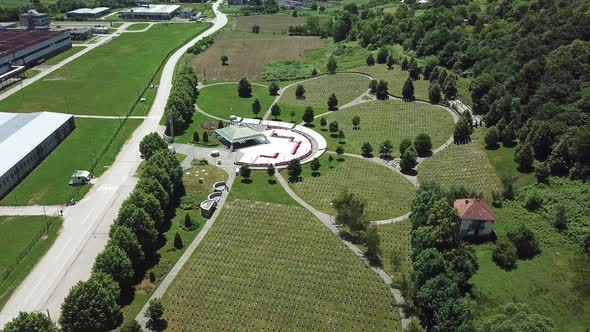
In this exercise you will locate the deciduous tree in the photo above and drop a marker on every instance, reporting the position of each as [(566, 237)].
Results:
[(91, 305)]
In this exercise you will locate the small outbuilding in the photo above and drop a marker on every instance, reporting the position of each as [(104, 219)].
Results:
[(477, 218), (80, 178)]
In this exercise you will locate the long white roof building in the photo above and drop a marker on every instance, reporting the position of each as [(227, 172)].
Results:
[(26, 139)]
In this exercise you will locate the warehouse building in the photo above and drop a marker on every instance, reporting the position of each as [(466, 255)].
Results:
[(88, 13), (22, 49), (151, 12), (25, 140), (34, 20)]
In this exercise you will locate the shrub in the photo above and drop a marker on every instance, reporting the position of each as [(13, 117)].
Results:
[(533, 202), (525, 242), (188, 221), (406, 143), (504, 254), (560, 221), (178, 241), (196, 136), (542, 173), (492, 137), (155, 310)]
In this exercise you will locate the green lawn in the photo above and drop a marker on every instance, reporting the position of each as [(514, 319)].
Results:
[(461, 165), (62, 56), (222, 100), (347, 87), (395, 79), (267, 266), (195, 193), (387, 193), (48, 183), (387, 120), (23, 242), (107, 80), (260, 188), (502, 159), (137, 26), (555, 283)]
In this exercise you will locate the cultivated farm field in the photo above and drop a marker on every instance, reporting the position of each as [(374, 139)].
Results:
[(461, 165), (247, 53), (107, 80), (267, 266), (388, 120), (387, 193)]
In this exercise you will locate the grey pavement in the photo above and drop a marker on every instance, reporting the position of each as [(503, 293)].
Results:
[(31, 210), (86, 224)]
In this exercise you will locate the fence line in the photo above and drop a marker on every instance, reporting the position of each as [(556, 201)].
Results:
[(6, 273)]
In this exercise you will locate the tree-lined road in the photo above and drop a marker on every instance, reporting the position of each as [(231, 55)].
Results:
[(86, 224)]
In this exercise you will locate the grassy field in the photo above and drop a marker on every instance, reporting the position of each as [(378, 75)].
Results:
[(502, 159), (223, 101), (168, 255), (48, 183), (137, 26), (261, 188), (23, 241), (388, 120), (395, 79), (347, 87), (554, 283), (387, 193), (107, 80), (461, 164), (268, 23), (396, 249), (267, 266), (249, 52), (62, 56)]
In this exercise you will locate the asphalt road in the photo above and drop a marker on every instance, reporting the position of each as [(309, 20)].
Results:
[(86, 224)]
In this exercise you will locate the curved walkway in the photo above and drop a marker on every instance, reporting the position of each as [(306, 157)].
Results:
[(327, 221), (86, 224)]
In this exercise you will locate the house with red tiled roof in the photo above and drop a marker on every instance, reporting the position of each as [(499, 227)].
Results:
[(477, 218)]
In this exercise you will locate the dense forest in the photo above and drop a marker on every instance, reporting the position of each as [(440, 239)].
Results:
[(528, 62)]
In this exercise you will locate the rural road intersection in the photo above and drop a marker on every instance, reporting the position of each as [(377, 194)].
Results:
[(86, 224)]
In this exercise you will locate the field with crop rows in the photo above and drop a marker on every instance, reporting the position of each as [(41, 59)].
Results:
[(461, 164), (387, 193), (388, 120), (247, 53), (395, 79), (347, 87), (267, 266)]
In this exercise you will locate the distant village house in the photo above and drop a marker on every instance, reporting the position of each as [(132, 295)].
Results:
[(477, 218)]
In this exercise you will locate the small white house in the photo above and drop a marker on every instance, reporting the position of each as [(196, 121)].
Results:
[(477, 218), (80, 178)]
